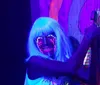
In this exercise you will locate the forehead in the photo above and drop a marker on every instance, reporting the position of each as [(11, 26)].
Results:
[(46, 34), (44, 31)]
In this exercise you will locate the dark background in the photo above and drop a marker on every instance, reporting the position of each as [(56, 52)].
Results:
[(15, 26)]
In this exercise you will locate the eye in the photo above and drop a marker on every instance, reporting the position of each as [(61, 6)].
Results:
[(51, 36), (39, 39)]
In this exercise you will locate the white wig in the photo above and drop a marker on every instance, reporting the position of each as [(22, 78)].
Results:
[(48, 25)]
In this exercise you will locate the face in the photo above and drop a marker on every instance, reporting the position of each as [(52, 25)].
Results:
[(46, 44)]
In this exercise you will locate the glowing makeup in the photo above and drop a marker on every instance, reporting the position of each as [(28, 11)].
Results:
[(46, 44)]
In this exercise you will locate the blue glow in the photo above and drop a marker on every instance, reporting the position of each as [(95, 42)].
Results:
[(45, 25)]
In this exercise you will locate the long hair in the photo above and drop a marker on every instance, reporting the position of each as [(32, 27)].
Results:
[(48, 25)]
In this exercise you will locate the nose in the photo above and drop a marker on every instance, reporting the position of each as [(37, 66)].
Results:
[(45, 41)]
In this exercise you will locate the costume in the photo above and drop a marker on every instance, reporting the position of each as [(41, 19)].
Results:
[(43, 30)]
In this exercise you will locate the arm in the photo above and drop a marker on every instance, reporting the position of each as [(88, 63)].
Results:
[(89, 74), (81, 52), (81, 72), (98, 72), (95, 68), (45, 67)]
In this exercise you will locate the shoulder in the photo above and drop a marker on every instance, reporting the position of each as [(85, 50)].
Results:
[(34, 59)]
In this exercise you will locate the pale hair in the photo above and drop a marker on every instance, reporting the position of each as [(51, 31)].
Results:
[(48, 25)]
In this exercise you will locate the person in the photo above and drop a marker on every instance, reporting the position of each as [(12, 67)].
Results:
[(95, 16), (95, 67), (50, 59)]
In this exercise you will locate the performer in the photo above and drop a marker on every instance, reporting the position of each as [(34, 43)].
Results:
[(95, 46), (50, 60)]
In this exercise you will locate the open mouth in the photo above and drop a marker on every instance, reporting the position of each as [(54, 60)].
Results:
[(48, 50)]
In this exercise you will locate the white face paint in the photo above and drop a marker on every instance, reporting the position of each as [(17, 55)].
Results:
[(46, 44)]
